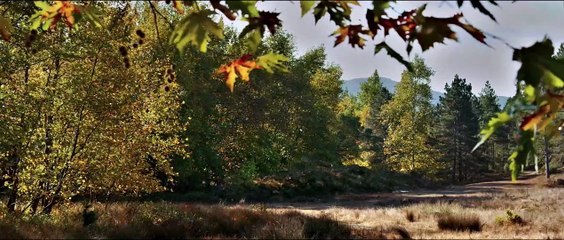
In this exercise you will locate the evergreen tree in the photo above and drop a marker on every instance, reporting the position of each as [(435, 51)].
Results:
[(372, 97), (495, 149), (459, 124)]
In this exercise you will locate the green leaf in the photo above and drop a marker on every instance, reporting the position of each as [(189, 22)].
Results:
[(530, 94), (42, 5), (306, 6), (392, 53), (552, 80), (535, 61), (195, 29), (494, 123), (91, 14), (519, 156), (246, 7), (272, 62), (253, 40)]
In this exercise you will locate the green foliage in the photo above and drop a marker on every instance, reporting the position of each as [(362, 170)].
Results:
[(510, 217), (195, 29), (408, 117)]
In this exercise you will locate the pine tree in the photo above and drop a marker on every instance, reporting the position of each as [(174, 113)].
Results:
[(372, 97), (459, 124), (495, 149)]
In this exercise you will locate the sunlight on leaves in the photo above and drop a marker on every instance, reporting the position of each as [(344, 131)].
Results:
[(494, 123), (240, 67), (195, 29), (272, 62)]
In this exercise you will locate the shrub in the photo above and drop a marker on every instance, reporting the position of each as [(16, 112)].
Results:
[(453, 222), (509, 218)]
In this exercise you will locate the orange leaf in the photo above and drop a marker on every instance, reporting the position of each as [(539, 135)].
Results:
[(535, 118), (178, 6), (240, 67)]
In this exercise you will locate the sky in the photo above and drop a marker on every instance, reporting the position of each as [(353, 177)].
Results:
[(519, 24)]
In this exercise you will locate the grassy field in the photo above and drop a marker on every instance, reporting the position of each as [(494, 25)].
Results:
[(527, 209)]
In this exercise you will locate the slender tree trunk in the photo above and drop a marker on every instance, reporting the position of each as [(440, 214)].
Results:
[(546, 157), (13, 173)]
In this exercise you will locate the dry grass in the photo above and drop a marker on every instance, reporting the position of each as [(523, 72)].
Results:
[(536, 213)]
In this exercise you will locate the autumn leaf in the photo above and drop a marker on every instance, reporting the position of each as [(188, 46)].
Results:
[(195, 29), (240, 67), (339, 11), (254, 31), (179, 6), (353, 33), (374, 15), (478, 5), (433, 30), (532, 120), (5, 29), (49, 15)]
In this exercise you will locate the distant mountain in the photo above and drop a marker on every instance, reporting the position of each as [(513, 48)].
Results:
[(353, 87)]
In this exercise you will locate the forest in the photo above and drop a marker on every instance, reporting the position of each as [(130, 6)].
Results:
[(119, 132)]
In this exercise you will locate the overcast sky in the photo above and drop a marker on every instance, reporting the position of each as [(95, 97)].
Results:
[(519, 24)]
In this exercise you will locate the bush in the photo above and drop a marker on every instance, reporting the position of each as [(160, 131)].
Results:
[(453, 222), (509, 218)]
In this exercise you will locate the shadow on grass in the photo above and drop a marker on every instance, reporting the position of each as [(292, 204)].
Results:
[(181, 221)]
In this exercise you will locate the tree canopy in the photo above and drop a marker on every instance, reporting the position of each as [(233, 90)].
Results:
[(197, 24)]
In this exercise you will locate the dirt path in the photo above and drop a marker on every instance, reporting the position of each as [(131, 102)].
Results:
[(463, 193)]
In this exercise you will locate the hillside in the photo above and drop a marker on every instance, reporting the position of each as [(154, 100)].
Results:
[(353, 87)]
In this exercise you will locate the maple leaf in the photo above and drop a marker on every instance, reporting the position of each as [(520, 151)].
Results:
[(306, 6), (339, 11), (195, 29), (272, 62), (353, 33), (240, 67), (49, 15), (178, 6), (404, 24), (256, 28), (374, 15), (478, 5), (432, 30), (246, 7)]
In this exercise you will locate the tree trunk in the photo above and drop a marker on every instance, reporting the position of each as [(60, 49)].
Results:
[(13, 173), (546, 157)]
